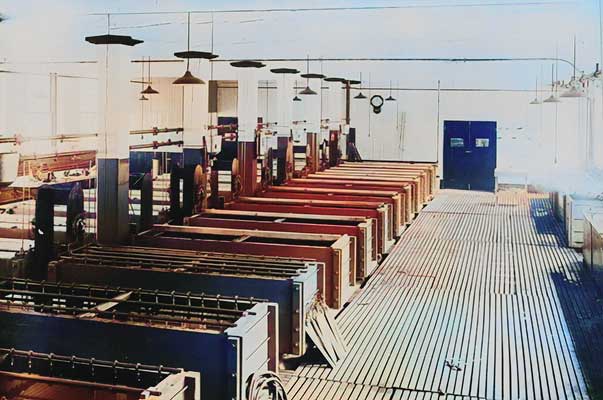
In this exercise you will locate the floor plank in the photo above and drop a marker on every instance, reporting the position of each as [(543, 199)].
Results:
[(479, 299)]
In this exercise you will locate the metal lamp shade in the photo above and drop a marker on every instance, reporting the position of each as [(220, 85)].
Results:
[(308, 91), (188, 79), (149, 90), (552, 99)]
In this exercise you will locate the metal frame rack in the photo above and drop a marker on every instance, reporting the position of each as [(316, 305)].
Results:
[(26, 374), (226, 339), (290, 283)]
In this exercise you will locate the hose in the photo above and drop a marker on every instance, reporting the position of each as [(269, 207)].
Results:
[(265, 386)]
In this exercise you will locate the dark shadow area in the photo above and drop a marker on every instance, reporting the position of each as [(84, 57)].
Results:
[(545, 222), (582, 304)]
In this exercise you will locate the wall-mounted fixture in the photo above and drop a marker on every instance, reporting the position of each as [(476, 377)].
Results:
[(377, 102)]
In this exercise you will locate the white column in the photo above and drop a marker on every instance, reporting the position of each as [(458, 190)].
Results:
[(335, 105), (312, 107), (115, 106), (196, 115), (285, 105), (247, 104), (115, 103), (298, 113)]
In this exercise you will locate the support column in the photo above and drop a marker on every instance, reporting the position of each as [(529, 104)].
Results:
[(312, 107), (247, 104), (284, 95), (196, 120), (114, 110), (53, 108), (247, 116), (312, 156), (335, 113), (43, 232)]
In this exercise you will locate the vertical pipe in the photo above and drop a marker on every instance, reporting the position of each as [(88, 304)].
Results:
[(146, 203), (44, 231), (347, 102), (175, 210), (437, 158)]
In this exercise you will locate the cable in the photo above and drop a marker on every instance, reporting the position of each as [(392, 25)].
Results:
[(359, 8)]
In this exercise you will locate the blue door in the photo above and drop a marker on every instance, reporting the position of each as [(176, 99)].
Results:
[(469, 155)]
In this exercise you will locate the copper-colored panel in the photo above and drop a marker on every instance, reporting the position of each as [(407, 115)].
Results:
[(320, 247), (381, 230), (362, 264)]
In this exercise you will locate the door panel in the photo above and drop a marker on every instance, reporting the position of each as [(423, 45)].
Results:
[(483, 137), (469, 155), (456, 168)]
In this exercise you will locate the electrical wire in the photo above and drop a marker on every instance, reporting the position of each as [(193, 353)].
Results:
[(357, 8)]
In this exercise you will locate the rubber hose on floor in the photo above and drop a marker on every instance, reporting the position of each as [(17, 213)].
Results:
[(265, 386)]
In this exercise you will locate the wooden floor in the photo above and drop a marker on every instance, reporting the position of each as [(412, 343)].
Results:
[(480, 299)]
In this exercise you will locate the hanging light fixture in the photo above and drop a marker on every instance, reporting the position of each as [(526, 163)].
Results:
[(597, 73), (335, 79), (536, 101), (390, 98), (188, 78), (296, 98), (552, 98), (307, 91), (142, 96), (360, 96), (287, 71), (575, 88), (149, 89)]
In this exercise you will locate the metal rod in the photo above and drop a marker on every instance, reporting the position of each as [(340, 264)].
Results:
[(155, 145), (89, 362), (406, 59), (155, 131), (443, 89), (153, 61)]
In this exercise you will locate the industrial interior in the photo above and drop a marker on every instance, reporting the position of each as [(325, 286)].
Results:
[(296, 200)]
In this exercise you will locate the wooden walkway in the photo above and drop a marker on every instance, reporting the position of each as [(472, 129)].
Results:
[(470, 304)]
